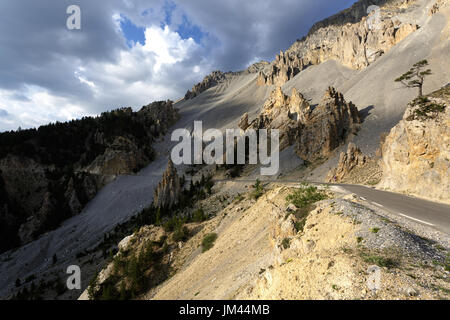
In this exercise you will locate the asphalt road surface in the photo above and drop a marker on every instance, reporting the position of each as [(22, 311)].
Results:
[(429, 213)]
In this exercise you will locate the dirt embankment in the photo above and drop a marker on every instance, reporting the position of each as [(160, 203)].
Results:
[(267, 249)]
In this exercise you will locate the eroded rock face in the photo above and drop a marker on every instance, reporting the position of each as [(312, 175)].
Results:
[(209, 81), (350, 37), (123, 156), (168, 192), (438, 6), (315, 131), (217, 77), (416, 153), (283, 113), (355, 167), (48, 184), (243, 122), (327, 126), (347, 162)]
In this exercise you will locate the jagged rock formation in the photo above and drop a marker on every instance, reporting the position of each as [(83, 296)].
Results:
[(209, 81), (356, 168), (416, 153), (50, 174), (283, 113), (438, 6), (243, 122), (217, 77), (168, 192), (350, 37), (327, 126), (256, 67), (316, 131), (347, 162)]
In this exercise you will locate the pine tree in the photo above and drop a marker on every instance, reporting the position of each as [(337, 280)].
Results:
[(415, 77)]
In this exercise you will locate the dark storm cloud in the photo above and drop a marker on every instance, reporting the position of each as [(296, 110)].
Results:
[(38, 52), (249, 29)]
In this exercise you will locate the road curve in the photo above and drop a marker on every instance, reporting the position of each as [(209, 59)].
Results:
[(429, 213), (434, 214)]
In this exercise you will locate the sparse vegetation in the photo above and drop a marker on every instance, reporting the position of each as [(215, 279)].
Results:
[(199, 215), (258, 190), (425, 109), (380, 260), (300, 224), (239, 198), (303, 199), (208, 241), (131, 274), (286, 243), (305, 196)]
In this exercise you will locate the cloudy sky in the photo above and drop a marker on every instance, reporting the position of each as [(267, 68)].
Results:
[(132, 52)]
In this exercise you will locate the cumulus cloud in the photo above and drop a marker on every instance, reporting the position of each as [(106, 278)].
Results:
[(48, 73)]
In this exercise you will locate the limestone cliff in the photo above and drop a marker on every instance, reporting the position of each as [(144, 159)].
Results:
[(416, 153), (168, 192), (351, 37), (314, 130), (327, 126), (355, 167)]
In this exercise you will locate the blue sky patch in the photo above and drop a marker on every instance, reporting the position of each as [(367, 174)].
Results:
[(132, 33), (188, 30)]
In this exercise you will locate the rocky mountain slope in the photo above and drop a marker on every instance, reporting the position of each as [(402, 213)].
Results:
[(266, 247), (217, 77), (168, 192), (315, 130), (49, 174), (416, 153), (356, 168), (381, 105), (351, 37)]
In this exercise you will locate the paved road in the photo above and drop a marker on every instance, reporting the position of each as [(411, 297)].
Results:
[(422, 211), (433, 214)]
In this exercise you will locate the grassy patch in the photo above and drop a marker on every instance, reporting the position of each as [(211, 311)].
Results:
[(375, 230), (258, 190), (239, 198), (300, 225), (208, 241), (426, 109), (286, 243), (304, 199), (380, 260), (305, 196)]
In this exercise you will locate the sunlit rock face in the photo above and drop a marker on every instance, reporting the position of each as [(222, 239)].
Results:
[(315, 131), (350, 37), (416, 153)]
